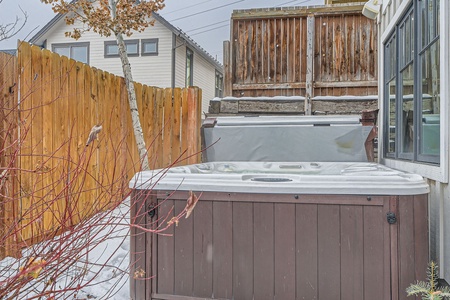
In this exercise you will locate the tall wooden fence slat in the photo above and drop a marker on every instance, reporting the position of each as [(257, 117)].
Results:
[(61, 180), (8, 135)]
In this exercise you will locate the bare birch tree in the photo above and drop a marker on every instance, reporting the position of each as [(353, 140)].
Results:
[(118, 18)]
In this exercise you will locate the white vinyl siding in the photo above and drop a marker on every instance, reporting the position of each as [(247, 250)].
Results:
[(204, 75), (150, 70)]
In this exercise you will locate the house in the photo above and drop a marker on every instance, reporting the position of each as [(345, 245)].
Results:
[(326, 54), (414, 89), (162, 55)]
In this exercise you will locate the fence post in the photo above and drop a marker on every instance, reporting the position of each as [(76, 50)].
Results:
[(309, 63)]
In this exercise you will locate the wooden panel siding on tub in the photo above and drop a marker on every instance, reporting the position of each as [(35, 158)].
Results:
[(263, 246)]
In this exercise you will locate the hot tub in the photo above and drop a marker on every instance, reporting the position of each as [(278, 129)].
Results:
[(280, 230)]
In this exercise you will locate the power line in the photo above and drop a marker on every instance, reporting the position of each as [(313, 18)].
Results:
[(218, 27), (205, 11), (184, 8), (304, 1), (209, 25)]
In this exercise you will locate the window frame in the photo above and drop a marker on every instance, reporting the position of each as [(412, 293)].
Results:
[(218, 87), (74, 44), (428, 170), (114, 43), (189, 54), (145, 41)]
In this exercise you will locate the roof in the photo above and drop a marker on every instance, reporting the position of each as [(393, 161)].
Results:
[(9, 51), (177, 31)]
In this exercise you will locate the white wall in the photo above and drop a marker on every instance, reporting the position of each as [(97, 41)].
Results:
[(204, 73)]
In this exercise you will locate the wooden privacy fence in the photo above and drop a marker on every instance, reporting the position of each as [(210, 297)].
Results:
[(60, 180), (301, 51)]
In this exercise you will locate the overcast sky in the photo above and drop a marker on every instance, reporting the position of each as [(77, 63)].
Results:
[(206, 21)]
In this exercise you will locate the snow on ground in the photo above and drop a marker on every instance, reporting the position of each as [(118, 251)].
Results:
[(102, 272)]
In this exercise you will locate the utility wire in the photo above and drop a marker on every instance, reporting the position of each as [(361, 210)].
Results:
[(226, 25), (304, 1), (205, 11), (206, 26), (184, 8)]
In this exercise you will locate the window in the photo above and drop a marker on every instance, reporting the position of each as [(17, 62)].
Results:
[(189, 67), (219, 84), (76, 51), (112, 49), (149, 47), (412, 86)]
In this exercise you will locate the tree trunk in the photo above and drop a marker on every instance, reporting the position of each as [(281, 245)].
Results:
[(138, 133), (137, 128)]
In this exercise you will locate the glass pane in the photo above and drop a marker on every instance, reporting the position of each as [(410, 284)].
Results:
[(431, 103), (407, 117), (403, 46), (407, 38), (80, 53), (392, 56), (391, 117), (431, 10), (423, 20), (112, 50), (62, 51), (132, 48), (438, 23), (150, 47)]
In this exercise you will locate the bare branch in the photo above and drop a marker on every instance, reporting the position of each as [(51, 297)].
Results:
[(9, 30)]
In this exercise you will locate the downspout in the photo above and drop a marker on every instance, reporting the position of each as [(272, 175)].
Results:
[(174, 48), (174, 42)]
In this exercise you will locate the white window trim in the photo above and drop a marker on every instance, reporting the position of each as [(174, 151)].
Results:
[(144, 41), (114, 43), (74, 44), (438, 173)]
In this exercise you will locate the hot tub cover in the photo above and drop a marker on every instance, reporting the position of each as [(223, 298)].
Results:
[(286, 138), (284, 178)]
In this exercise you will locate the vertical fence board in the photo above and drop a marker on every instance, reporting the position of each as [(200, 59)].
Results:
[(176, 128), (167, 128), (191, 126), (47, 133), (25, 135), (8, 136), (159, 123)]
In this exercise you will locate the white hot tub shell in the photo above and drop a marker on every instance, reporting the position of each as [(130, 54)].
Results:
[(279, 230)]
